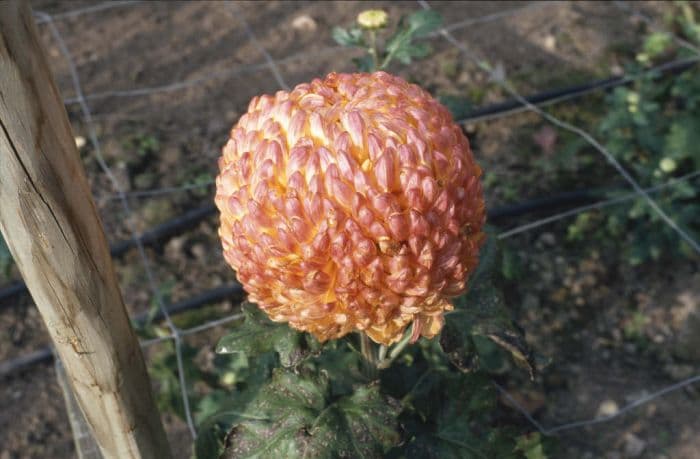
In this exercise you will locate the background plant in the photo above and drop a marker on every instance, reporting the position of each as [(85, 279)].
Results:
[(651, 126)]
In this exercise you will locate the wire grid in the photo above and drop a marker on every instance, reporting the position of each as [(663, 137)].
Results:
[(272, 65), (639, 191)]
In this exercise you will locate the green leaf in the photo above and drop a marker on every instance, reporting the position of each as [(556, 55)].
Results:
[(531, 445), (461, 427), (409, 51), (343, 37), (230, 409), (365, 425), (458, 106), (292, 417), (400, 46), (164, 371), (423, 22), (364, 63), (483, 312), (657, 43), (343, 366), (259, 335), (218, 411), (511, 265), (209, 443), (489, 256)]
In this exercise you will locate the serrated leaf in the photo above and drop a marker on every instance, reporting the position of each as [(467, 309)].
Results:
[(292, 417), (423, 22), (409, 51), (482, 311), (231, 408), (258, 335), (366, 425), (209, 443), (163, 370), (400, 46), (352, 37), (461, 428)]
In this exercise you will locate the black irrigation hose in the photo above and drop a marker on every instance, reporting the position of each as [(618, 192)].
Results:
[(170, 228), (568, 199), (571, 92), (45, 354), (165, 230)]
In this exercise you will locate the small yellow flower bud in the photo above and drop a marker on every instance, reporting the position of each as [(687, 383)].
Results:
[(633, 98), (372, 19), (667, 165)]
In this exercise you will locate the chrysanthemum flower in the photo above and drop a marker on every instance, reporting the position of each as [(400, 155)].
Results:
[(351, 203)]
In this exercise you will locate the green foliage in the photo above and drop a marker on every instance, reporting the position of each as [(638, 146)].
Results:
[(651, 127), (458, 422), (163, 369), (351, 37), (482, 314), (282, 394), (458, 106), (143, 144), (531, 445), (293, 416), (401, 45), (258, 335)]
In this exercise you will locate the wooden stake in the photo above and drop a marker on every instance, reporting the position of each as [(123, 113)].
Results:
[(51, 226)]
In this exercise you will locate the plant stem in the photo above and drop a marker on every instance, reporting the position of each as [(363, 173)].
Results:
[(373, 50), (368, 352), (382, 353), (395, 351)]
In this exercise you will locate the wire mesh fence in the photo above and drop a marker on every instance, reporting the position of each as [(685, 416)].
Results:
[(282, 68)]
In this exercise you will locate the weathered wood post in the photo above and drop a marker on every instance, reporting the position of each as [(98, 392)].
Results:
[(51, 226)]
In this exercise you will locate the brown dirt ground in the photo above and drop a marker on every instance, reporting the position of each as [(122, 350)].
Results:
[(573, 310)]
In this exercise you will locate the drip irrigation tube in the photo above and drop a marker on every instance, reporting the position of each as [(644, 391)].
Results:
[(572, 92), (163, 231), (45, 354)]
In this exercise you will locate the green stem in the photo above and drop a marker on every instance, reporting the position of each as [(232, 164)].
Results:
[(389, 56), (373, 50), (382, 352), (395, 352), (370, 358)]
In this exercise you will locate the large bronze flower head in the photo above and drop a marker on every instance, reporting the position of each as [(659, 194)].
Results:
[(351, 203)]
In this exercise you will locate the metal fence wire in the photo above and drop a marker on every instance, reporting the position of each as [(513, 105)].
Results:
[(274, 67)]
